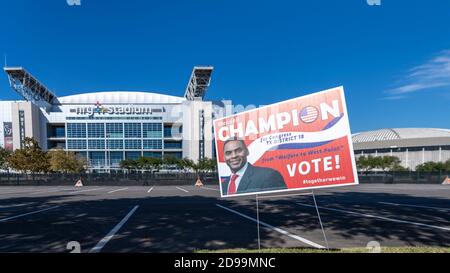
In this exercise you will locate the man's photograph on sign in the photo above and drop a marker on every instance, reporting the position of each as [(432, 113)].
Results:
[(302, 143)]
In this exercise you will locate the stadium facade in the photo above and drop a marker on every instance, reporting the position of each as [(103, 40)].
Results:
[(108, 127), (413, 146)]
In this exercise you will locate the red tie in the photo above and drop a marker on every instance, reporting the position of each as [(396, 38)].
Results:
[(232, 186)]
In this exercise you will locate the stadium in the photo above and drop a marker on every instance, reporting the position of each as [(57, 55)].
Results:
[(108, 127), (413, 146)]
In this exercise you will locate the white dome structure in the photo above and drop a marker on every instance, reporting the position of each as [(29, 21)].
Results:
[(413, 146), (120, 97)]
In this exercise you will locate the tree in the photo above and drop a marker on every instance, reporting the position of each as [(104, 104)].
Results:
[(149, 163), (204, 164), (170, 160), (129, 164), (67, 162), (4, 155), (432, 166), (30, 158), (364, 163), (389, 163), (379, 162), (207, 164)]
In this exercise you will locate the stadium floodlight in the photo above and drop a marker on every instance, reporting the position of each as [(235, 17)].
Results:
[(29, 87), (198, 83)]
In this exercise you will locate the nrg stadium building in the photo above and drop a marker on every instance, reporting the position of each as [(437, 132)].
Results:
[(108, 127)]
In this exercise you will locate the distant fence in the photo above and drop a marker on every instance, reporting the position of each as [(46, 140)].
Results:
[(403, 177), (113, 179), (151, 179)]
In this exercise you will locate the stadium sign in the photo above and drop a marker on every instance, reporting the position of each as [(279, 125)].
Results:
[(302, 143), (120, 110)]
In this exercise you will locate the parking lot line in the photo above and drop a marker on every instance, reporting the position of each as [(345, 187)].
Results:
[(111, 234), (118, 190), (377, 217), (150, 190), (25, 214), (14, 205), (212, 189), (413, 206), (293, 236), (181, 189), (16, 192), (96, 189)]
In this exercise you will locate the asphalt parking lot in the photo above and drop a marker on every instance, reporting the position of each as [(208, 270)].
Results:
[(187, 218)]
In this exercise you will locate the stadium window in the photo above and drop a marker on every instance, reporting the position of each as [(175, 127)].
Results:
[(132, 130), (96, 130)]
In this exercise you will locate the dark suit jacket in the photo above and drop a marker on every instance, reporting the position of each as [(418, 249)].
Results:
[(257, 179)]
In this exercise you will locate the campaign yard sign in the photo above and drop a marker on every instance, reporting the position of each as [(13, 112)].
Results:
[(302, 143)]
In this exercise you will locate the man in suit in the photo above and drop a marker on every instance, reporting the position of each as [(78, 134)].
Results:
[(245, 177)]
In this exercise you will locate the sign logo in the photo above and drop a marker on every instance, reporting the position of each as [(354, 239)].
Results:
[(118, 110), (309, 114), (7, 128)]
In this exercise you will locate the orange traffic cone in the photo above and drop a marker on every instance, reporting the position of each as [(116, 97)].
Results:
[(446, 181), (79, 183), (198, 183)]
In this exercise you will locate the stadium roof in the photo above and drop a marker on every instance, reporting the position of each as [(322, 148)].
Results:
[(401, 137), (120, 97)]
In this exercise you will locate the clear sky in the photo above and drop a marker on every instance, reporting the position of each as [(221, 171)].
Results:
[(393, 60)]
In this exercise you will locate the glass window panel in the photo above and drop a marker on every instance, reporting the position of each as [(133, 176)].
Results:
[(132, 130), (153, 154), (114, 130), (96, 130), (96, 144), (97, 159), (115, 144), (152, 130), (132, 155), (152, 144), (76, 144), (172, 145), (76, 130), (133, 144), (115, 158)]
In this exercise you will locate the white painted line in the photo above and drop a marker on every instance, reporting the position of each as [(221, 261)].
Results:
[(212, 189), (15, 205), (118, 190), (293, 236), (25, 214), (96, 189), (414, 206), (283, 195), (181, 189), (150, 190), (17, 192), (51, 191), (37, 192), (111, 234), (378, 217)]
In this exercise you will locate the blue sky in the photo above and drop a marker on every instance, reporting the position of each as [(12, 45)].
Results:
[(393, 60)]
